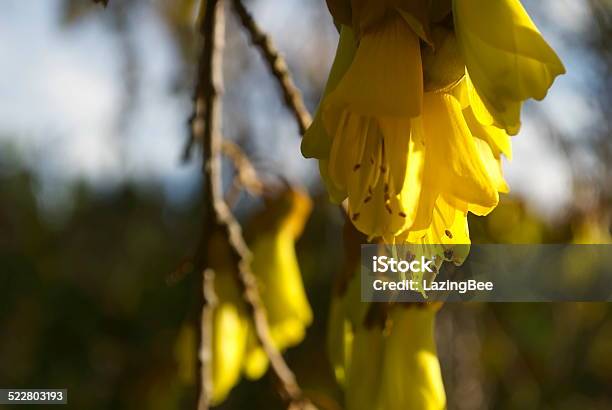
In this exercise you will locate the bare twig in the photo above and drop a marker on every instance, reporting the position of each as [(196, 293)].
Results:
[(206, 128), (246, 174), (206, 328), (206, 123), (277, 65)]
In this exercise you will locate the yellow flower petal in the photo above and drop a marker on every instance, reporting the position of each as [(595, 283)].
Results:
[(452, 155), (407, 170), (492, 165), (385, 78), (378, 217), (347, 149), (479, 119), (505, 55), (230, 326), (379, 163), (255, 361), (279, 280), (317, 142), (449, 225), (281, 288), (497, 138), (446, 238), (411, 375)]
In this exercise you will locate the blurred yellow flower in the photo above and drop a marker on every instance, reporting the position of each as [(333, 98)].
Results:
[(411, 375), (276, 268), (393, 364), (383, 355), (231, 325), (272, 241), (230, 322)]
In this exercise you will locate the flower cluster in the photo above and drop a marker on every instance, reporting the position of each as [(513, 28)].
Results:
[(418, 110), (419, 107)]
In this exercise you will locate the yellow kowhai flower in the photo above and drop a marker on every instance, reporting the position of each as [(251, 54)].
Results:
[(394, 133), (411, 375), (392, 364), (230, 332), (383, 355), (272, 236), (272, 240), (231, 327), (390, 148)]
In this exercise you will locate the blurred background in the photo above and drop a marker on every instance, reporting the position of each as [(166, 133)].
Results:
[(98, 208)]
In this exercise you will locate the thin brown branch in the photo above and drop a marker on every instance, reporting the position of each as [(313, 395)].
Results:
[(206, 328), (246, 175), (277, 65), (246, 178), (207, 128)]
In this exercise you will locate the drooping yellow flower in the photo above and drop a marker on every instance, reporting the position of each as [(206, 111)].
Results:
[(411, 375), (235, 347), (363, 382), (230, 322), (278, 275), (505, 55), (230, 329), (383, 354), (413, 154), (389, 135), (390, 150), (392, 364)]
